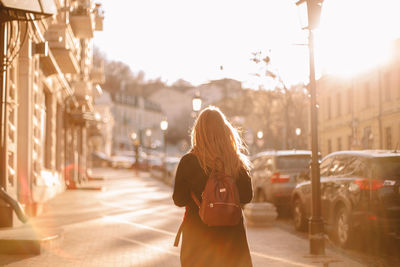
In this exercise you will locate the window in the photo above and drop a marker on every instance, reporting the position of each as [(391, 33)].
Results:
[(368, 138), (349, 100), (386, 168), (354, 166), (329, 108), (339, 143), (59, 138), (47, 130), (259, 162), (367, 95), (325, 166), (388, 135), (386, 86), (361, 169), (270, 164), (329, 146), (338, 105), (336, 167), (342, 166), (349, 141), (293, 162)]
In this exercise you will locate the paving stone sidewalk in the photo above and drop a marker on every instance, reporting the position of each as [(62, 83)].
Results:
[(133, 222)]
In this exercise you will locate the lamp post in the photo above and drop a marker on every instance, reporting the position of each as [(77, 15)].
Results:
[(136, 144), (148, 146), (164, 127), (310, 11), (298, 133), (260, 140)]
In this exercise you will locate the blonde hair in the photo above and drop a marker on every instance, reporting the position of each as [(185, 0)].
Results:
[(213, 138)]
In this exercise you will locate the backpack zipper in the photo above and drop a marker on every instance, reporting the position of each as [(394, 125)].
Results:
[(222, 203)]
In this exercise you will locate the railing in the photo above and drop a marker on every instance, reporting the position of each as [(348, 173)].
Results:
[(19, 210)]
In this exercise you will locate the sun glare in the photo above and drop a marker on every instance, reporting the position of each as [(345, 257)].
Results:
[(356, 36)]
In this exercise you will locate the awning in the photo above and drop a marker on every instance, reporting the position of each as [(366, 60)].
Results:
[(40, 7)]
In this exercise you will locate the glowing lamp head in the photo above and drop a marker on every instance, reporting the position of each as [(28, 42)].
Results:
[(133, 136), (196, 102), (309, 13), (164, 125), (260, 134), (148, 132)]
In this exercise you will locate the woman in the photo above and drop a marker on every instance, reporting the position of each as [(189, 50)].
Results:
[(213, 137)]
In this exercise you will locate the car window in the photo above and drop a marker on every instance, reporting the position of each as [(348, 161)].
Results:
[(259, 162), (269, 163), (387, 168), (325, 166), (293, 162), (354, 166), (340, 165), (348, 167), (361, 168)]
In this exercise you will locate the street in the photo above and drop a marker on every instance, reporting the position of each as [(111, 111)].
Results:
[(132, 222)]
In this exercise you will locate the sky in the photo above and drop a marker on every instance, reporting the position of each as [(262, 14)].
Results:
[(191, 40)]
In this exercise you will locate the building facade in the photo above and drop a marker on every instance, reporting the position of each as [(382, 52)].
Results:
[(135, 114), (102, 137), (48, 85), (362, 112)]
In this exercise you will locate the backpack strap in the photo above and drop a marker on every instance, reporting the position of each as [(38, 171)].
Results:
[(179, 233), (195, 199)]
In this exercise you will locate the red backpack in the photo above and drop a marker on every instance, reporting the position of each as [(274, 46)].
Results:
[(220, 205)]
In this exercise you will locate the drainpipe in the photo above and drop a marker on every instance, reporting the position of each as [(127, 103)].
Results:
[(3, 101)]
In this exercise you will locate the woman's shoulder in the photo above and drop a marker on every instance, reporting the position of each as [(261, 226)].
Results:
[(189, 158)]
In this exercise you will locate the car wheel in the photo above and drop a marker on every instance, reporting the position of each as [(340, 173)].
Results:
[(299, 218), (342, 230)]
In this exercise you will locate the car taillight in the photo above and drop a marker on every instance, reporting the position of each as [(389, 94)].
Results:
[(367, 184), (278, 178)]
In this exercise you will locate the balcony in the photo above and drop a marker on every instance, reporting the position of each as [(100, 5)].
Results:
[(99, 23), (82, 88), (47, 66), (64, 47), (97, 74), (99, 17), (82, 22)]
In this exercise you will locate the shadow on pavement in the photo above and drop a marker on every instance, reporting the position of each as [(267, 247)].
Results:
[(8, 259)]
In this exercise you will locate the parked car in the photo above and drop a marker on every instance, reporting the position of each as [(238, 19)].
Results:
[(275, 174), (100, 159), (122, 161), (165, 171), (360, 190)]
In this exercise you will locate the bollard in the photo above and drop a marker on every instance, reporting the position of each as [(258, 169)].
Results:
[(260, 214)]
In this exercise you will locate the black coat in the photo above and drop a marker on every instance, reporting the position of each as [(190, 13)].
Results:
[(203, 245)]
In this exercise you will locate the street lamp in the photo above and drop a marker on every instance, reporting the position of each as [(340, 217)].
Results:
[(260, 141), (148, 135), (310, 12), (136, 144), (298, 133), (260, 134), (164, 127), (196, 103)]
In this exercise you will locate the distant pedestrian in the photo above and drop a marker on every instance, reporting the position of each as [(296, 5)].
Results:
[(213, 138)]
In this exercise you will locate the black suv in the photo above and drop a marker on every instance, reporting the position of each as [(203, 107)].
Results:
[(359, 190)]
